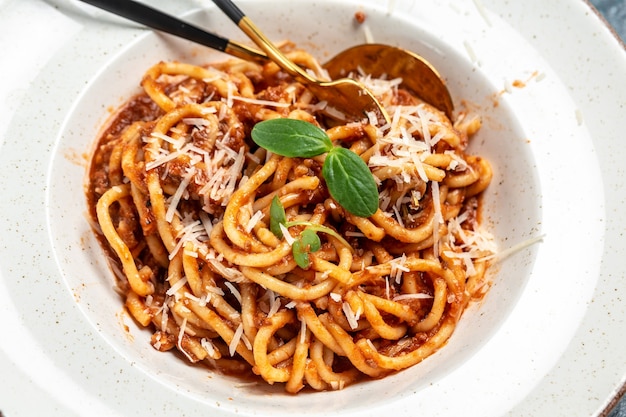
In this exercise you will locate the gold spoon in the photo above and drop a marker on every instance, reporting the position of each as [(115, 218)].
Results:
[(378, 60), (355, 100), (374, 59)]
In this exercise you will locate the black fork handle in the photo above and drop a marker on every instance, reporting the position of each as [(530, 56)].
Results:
[(155, 19)]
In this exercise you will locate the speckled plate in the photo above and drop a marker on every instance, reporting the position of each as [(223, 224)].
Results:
[(547, 339)]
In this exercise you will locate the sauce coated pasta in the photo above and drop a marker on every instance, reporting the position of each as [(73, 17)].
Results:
[(181, 198)]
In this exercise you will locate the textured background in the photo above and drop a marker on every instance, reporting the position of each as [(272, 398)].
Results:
[(614, 12)]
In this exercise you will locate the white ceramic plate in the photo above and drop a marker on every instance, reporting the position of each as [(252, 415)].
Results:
[(547, 339)]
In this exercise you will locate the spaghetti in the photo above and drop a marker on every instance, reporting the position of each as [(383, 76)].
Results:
[(181, 200)]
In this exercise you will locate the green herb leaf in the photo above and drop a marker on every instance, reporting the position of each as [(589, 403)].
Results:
[(277, 217), (348, 178), (311, 240), (291, 137), (350, 182), (320, 228), (307, 243), (300, 255)]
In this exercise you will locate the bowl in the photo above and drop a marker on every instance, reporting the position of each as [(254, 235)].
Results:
[(528, 117)]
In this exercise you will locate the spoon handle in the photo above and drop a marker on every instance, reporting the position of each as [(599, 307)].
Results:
[(254, 33), (231, 10), (160, 21)]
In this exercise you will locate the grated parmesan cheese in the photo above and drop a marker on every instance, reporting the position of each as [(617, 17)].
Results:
[(232, 347), (367, 33), (398, 266), (231, 274), (470, 52), (499, 256), (302, 331), (182, 187), (246, 341), (286, 234), (164, 156), (371, 117), (337, 384), (206, 222), (181, 333), (164, 316), (579, 117), (157, 343), (387, 288), (260, 102), (233, 290), (438, 220), (334, 113), (254, 220), (176, 143), (231, 88), (177, 286), (418, 296), (210, 349), (214, 290), (201, 301), (335, 297), (398, 216), (193, 231), (196, 121), (425, 126), (350, 316), (223, 169), (274, 302)]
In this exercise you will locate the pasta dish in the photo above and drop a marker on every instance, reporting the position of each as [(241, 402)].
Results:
[(248, 262)]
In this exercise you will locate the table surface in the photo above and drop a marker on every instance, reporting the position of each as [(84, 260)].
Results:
[(614, 11)]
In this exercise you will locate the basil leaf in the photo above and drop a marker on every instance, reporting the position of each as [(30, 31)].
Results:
[(348, 178), (300, 255), (350, 182), (308, 242), (319, 228), (277, 217), (291, 138)]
